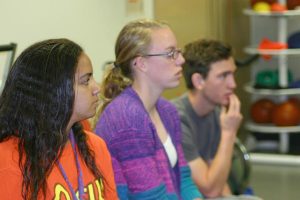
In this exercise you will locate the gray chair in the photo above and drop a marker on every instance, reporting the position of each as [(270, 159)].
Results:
[(240, 170)]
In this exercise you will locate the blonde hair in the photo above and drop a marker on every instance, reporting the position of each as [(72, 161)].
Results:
[(133, 40)]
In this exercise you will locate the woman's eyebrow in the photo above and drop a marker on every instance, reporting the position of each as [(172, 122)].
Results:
[(87, 75)]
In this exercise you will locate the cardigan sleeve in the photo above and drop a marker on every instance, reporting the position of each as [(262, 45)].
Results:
[(188, 189), (135, 167), (121, 183)]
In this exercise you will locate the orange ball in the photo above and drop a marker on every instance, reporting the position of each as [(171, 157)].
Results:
[(261, 111), (277, 7)]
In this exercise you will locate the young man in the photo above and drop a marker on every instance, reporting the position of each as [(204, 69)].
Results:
[(210, 114)]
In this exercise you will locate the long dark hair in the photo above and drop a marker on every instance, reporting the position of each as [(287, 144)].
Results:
[(36, 105)]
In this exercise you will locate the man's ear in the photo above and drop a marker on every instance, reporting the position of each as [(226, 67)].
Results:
[(139, 63), (198, 81)]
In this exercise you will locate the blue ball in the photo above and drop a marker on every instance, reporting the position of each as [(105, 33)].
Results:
[(294, 40)]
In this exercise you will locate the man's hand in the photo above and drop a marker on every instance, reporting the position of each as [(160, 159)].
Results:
[(231, 117)]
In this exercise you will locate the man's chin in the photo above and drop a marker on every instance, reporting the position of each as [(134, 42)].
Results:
[(225, 103)]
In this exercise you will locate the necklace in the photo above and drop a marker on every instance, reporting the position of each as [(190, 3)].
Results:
[(79, 171)]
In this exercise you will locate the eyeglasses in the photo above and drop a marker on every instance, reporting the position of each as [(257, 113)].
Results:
[(172, 54)]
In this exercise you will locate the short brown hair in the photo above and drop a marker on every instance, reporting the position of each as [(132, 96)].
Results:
[(200, 54)]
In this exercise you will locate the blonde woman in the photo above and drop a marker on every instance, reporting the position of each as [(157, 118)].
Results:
[(141, 129)]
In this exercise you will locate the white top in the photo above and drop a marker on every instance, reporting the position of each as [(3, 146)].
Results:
[(171, 151)]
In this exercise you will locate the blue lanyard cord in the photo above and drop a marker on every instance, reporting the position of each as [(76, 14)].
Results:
[(79, 171)]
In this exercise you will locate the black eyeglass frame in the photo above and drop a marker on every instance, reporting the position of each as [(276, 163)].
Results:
[(172, 54)]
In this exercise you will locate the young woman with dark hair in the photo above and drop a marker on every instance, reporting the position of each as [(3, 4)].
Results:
[(44, 152)]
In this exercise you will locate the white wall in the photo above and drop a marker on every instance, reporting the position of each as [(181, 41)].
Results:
[(94, 24)]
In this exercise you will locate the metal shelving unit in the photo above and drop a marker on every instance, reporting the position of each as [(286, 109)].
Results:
[(288, 13), (270, 128), (281, 52), (274, 92), (282, 56)]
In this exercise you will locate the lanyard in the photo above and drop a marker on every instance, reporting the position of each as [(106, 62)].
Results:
[(79, 171)]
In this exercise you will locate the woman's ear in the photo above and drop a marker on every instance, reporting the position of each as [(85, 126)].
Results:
[(198, 81), (139, 64)]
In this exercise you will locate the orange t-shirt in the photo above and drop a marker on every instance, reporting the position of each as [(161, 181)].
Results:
[(86, 125), (57, 188)]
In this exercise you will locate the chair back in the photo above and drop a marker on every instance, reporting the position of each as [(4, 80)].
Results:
[(240, 169)]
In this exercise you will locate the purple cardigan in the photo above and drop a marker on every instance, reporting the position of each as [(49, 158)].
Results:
[(141, 166)]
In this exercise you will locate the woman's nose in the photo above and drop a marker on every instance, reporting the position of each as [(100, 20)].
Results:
[(96, 88), (180, 60)]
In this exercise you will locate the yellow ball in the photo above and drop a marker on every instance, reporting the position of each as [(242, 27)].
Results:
[(261, 7)]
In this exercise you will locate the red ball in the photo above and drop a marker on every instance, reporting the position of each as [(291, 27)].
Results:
[(295, 100), (286, 114), (261, 111), (292, 4)]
